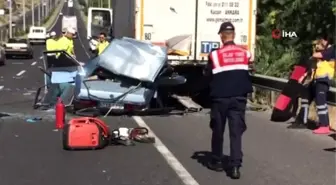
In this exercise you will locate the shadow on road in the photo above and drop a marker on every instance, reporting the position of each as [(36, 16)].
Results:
[(204, 158), (330, 149)]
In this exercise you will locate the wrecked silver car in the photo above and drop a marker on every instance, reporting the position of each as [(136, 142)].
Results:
[(129, 76)]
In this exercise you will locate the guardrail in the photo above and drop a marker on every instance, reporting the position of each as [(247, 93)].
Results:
[(277, 84)]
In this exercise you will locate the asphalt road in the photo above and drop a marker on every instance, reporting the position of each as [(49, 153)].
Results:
[(31, 153)]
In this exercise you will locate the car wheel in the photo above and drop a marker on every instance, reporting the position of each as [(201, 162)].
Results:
[(8, 57)]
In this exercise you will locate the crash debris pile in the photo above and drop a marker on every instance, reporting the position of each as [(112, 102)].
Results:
[(120, 72), (92, 133)]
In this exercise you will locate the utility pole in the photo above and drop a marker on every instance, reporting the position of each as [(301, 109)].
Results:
[(10, 18), (33, 12), (109, 3), (39, 14), (43, 10), (24, 14)]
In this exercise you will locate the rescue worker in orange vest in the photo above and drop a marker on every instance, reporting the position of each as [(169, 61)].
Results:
[(229, 86)]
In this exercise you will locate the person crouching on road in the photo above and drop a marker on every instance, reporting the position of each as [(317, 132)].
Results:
[(103, 43), (323, 75), (66, 42), (229, 86)]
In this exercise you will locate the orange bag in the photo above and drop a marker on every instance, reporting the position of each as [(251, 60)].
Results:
[(85, 133)]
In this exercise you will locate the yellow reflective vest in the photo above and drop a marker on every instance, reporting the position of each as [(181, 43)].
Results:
[(325, 70), (51, 44), (66, 44), (102, 46)]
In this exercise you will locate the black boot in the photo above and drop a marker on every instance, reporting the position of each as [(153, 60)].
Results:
[(234, 173), (215, 165)]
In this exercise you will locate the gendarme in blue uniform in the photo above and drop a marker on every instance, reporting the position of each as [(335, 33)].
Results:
[(230, 83)]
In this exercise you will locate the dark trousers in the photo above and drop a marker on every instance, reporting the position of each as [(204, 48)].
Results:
[(233, 109), (307, 97), (317, 91), (321, 91)]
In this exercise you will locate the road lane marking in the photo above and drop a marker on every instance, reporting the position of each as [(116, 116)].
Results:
[(34, 63), (41, 57), (21, 73), (1, 87), (172, 161)]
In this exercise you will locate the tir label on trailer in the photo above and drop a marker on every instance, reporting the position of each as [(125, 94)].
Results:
[(208, 46)]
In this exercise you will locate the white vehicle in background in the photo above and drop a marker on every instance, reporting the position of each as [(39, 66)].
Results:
[(70, 3), (69, 22), (100, 20), (18, 47), (37, 35)]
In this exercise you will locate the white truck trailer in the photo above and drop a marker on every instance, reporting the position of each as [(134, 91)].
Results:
[(187, 26)]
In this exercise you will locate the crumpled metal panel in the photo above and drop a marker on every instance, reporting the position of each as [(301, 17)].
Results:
[(132, 58)]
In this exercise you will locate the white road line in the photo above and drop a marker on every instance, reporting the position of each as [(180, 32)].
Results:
[(1, 87), (34, 63), (172, 161), (21, 73), (41, 57)]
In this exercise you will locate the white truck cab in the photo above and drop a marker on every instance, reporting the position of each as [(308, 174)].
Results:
[(37, 34)]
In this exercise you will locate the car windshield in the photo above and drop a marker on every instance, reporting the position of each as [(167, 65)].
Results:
[(17, 40)]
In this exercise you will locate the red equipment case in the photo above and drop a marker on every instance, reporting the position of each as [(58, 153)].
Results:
[(85, 133)]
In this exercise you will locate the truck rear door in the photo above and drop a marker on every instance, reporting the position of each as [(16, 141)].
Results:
[(210, 15), (168, 23)]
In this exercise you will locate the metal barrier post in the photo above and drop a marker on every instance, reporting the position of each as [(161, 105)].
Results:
[(273, 98)]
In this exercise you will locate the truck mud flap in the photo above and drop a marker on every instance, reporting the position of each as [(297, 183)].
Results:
[(188, 103)]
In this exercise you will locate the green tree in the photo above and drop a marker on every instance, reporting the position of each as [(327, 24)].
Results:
[(308, 18)]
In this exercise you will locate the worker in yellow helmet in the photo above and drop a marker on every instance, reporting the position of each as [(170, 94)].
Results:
[(66, 42), (103, 43), (51, 42)]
